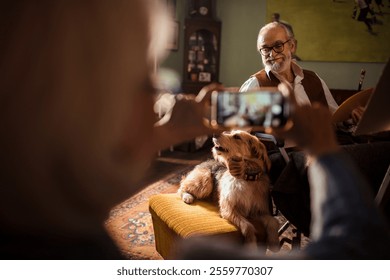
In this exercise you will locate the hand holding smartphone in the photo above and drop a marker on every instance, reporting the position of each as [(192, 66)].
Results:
[(257, 109)]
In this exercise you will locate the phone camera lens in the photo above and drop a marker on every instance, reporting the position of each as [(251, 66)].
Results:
[(276, 109)]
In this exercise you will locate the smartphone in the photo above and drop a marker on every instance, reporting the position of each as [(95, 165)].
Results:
[(263, 108)]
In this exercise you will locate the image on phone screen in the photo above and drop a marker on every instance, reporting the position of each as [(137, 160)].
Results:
[(260, 108)]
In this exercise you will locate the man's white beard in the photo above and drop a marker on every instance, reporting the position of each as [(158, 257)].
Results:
[(278, 66)]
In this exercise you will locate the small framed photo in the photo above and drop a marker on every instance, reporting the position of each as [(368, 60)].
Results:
[(173, 45), (204, 77)]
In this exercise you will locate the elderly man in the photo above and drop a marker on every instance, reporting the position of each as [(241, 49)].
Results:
[(277, 45)]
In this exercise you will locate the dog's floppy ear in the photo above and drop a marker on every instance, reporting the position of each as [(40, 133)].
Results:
[(267, 161), (259, 151), (255, 149)]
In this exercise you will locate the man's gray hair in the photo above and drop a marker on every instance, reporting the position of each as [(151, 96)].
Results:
[(275, 24)]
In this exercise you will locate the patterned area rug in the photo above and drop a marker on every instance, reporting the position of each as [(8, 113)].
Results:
[(130, 223)]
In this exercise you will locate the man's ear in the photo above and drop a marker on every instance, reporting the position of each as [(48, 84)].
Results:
[(294, 45)]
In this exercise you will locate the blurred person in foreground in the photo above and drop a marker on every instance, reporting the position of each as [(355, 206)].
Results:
[(77, 121)]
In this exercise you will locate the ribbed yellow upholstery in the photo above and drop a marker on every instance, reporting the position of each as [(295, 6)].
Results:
[(173, 219)]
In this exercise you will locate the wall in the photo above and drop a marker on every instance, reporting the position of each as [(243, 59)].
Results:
[(241, 21), (175, 58)]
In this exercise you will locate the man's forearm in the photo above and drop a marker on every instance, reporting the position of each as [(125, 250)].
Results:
[(344, 216)]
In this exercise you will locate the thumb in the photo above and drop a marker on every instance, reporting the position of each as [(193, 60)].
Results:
[(204, 94)]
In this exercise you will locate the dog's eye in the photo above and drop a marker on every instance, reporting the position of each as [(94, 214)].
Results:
[(237, 137)]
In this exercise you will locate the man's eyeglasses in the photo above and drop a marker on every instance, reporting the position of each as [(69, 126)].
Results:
[(278, 48)]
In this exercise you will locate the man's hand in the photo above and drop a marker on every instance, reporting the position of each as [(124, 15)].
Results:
[(357, 114), (187, 119)]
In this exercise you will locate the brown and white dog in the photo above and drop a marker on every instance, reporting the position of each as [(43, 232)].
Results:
[(237, 179)]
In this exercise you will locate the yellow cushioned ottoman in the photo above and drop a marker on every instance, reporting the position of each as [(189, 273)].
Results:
[(175, 220)]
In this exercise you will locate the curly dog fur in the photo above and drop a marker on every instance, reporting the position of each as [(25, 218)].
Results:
[(237, 179)]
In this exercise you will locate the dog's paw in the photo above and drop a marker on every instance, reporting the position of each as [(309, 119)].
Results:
[(235, 166), (187, 198)]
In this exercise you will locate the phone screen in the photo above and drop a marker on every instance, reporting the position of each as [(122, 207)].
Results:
[(240, 109)]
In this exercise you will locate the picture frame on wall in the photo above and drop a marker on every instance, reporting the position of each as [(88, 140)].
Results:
[(344, 37), (204, 77)]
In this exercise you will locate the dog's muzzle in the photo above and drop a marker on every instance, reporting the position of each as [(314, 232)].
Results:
[(218, 147)]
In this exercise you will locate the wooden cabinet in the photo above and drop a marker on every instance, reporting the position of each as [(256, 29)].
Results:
[(202, 43)]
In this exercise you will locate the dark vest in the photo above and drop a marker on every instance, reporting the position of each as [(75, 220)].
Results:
[(311, 83)]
